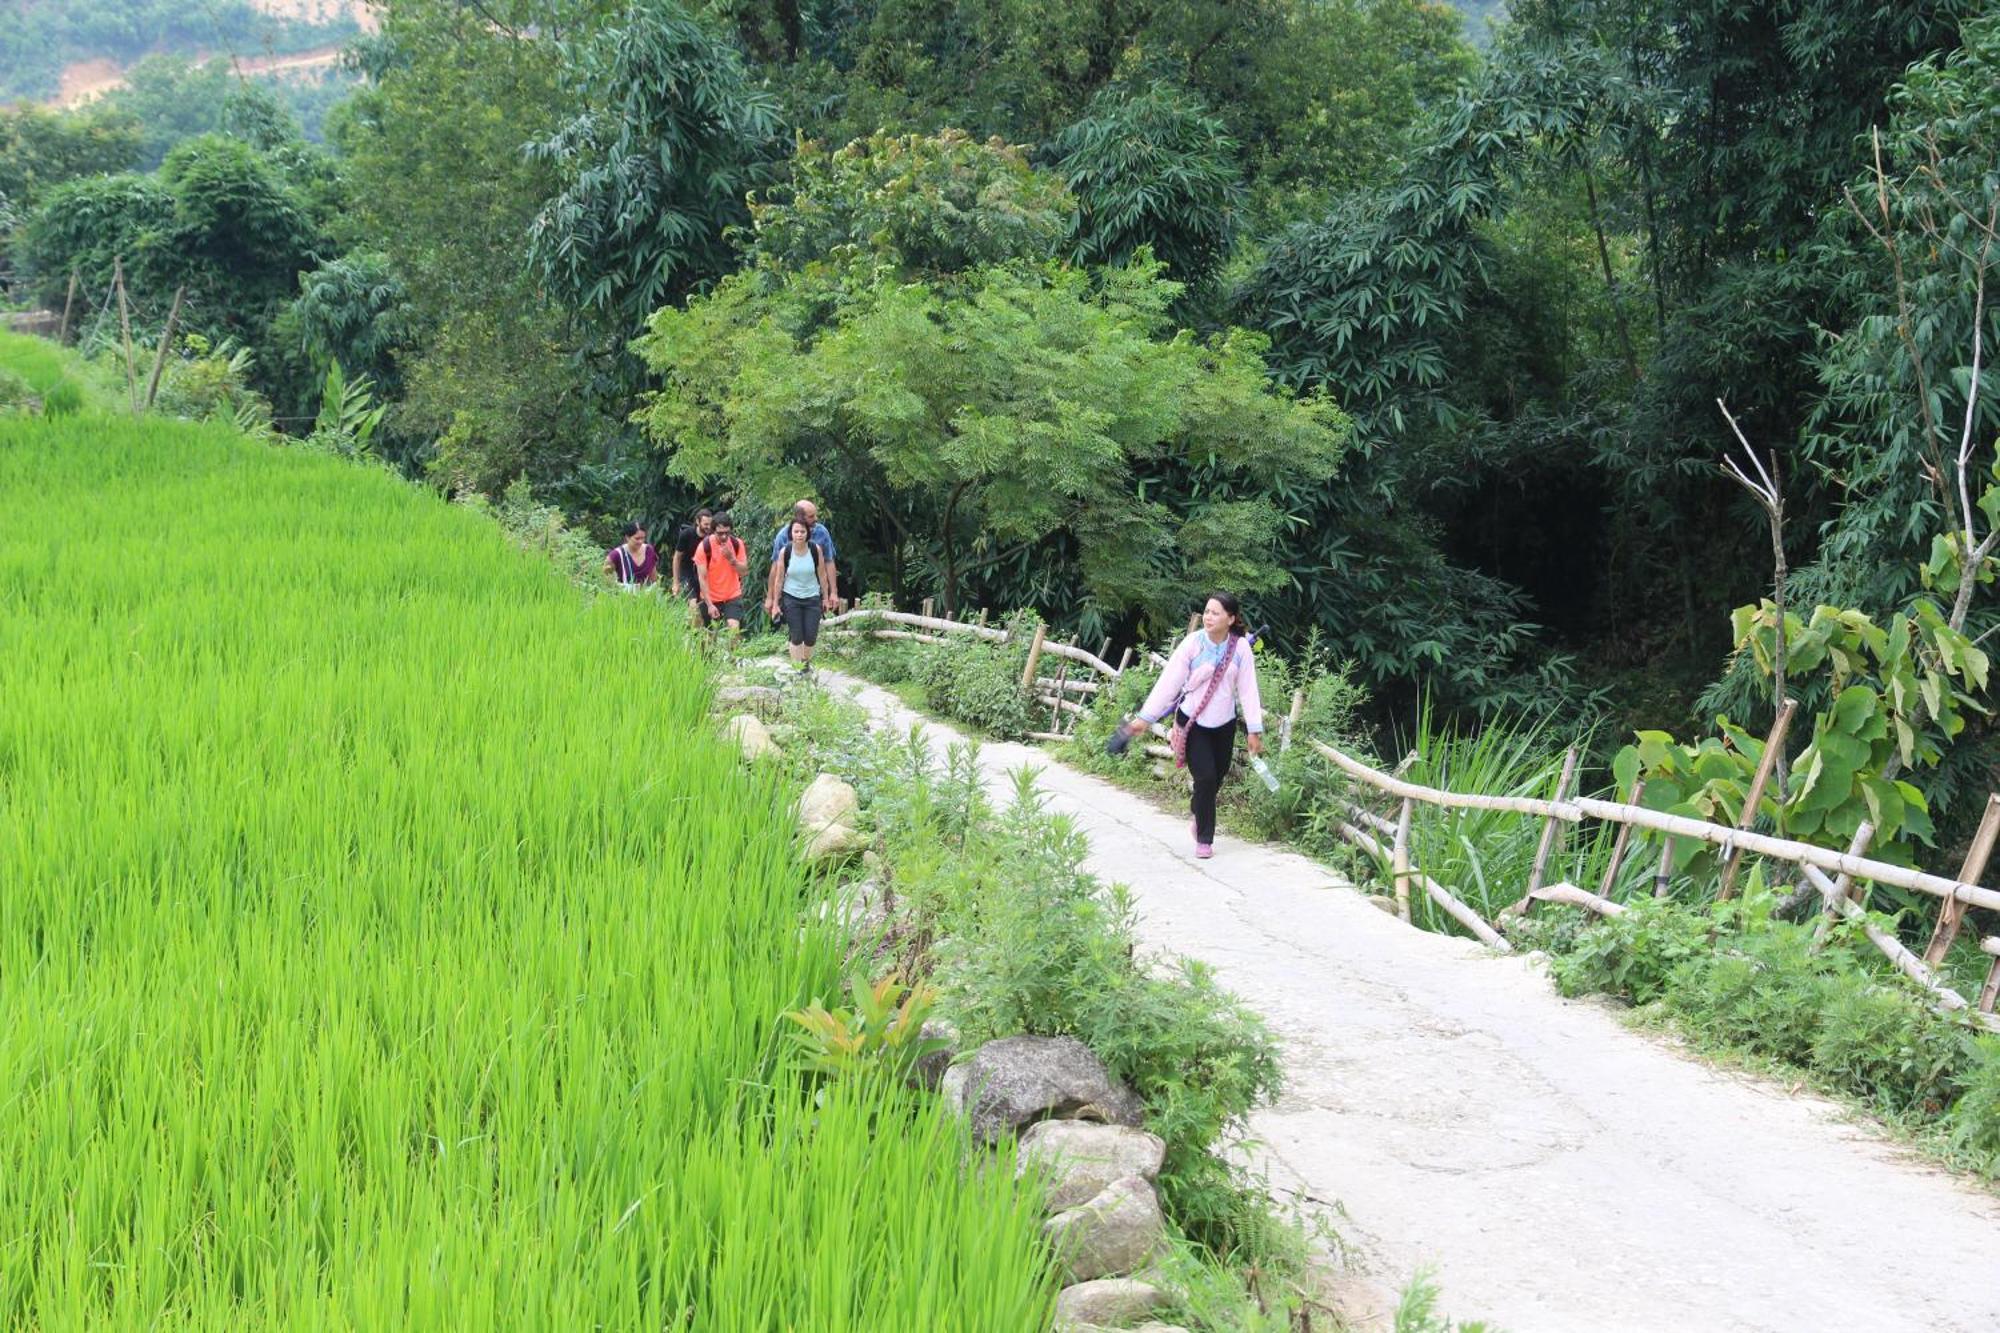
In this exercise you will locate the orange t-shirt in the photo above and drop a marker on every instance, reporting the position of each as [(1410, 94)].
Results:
[(725, 584)]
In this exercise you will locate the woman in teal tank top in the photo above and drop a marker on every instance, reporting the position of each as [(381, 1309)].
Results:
[(800, 590)]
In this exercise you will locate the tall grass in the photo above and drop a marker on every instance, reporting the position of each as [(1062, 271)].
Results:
[(57, 374), (386, 943)]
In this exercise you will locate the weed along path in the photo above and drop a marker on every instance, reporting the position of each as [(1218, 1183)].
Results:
[(1445, 1108)]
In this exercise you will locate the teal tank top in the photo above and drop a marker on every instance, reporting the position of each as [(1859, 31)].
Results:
[(801, 575)]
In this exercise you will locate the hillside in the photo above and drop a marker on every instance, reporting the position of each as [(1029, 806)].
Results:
[(72, 48)]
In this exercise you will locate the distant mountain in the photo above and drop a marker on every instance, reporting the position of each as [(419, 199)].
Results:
[(1478, 15), (43, 42)]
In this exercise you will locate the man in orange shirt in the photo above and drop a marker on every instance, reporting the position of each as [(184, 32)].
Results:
[(719, 563)]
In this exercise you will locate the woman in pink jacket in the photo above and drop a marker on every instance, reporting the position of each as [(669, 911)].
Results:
[(1210, 681)]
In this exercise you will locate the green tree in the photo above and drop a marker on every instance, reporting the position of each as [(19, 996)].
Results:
[(653, 171), (40, 149), (1151, 167)]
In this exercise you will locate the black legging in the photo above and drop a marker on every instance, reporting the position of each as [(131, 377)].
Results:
[(1209, 750)]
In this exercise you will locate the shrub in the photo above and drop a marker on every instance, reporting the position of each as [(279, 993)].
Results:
[(978, 682), (15, 391), (1975, 1118)]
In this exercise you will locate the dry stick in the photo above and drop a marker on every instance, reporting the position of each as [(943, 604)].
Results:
[(1399, 862), (125, 322), (1892, 948), (69, 304), (1439, 894), (1991, 990), (915, 621), (1771, 499), (1292, 718), (1569, 893), (1680, 826), (1951, 912), (1034, 655), (1774, 746), (166, 341), (1549, 824), (1618, 845), (1124, 661)]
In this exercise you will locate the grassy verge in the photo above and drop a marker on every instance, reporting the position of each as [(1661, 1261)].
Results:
[(391, 945)]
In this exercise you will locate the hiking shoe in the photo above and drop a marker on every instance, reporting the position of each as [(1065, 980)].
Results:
[(1203, 850)]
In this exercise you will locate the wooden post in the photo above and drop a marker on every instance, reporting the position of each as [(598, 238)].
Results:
[(1034, 657), (1951, 912), (125, 322), (1991, 990), (1665, 873), (1292, 718), (1774, 745), (928, 602), (1124, 661), (1399, 861), (1618, 847), (1550, 825), (983, 613), (1855, 846), (166, 341), (1056, 703), (1194, 622), (69, 304)]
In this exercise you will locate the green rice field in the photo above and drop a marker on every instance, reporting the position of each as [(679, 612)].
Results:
[(386, 942)]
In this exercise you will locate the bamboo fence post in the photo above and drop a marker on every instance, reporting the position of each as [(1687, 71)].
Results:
[(1857, 845), (125, 323), (69, 304), (1618, 846), (1055, 704), (1548, 843), (1194, 622), (1906, 962), (1292, 718), (1951, 912), (1991, 990), (1663, 875), (166, 341), (1034, 657), (1439, 894), (1105, 651), (929, 602), (1400, 860), (1124, 661), (1774, 745), (983, 613)]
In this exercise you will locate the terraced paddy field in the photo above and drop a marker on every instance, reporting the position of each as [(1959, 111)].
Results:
[(385, 941)]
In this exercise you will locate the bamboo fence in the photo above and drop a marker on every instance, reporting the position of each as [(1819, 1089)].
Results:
[(1834, 875)]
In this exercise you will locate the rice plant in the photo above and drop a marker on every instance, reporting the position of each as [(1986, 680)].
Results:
[(385, 942)]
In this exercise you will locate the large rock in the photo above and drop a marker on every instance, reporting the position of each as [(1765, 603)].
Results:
[(762, 700), (1112, 1301), (932, 1068), (828, 801), (750, 735), (835, 842), (1017, 1080), (1113, 1234), (1080, 1158)]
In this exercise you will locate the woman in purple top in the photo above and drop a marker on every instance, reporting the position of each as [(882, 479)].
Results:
[(633, 563), (1210, 681)]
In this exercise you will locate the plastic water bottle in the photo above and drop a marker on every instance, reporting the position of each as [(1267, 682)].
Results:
[(1263, 771)]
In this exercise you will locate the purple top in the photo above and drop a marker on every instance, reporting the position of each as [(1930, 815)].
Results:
[(643, 570)]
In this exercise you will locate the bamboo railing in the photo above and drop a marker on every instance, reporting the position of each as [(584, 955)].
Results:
[(1830, 873)]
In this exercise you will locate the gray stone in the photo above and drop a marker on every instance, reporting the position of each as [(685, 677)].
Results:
[(1385, 902), (761, 699), (1112, 1301), (932, 1068), (1017, 1080), (835, 842), (826, 802), (1080, 1158), (1113, 1234), (750, 735)]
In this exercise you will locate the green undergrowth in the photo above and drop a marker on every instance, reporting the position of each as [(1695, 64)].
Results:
[(989, 903), (37, 374), (391, 942), (1816, 1000)]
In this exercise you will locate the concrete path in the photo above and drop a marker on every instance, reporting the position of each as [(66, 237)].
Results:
[(1556, 1170)]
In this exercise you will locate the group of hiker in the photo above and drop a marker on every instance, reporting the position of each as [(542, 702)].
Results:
[(1208, 687), (711, 564)]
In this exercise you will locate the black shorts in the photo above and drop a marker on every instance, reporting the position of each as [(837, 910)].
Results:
[(729, 610), (801, 618)]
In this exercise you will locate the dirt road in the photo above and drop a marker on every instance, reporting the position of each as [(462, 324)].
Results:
[(1558, 1171)]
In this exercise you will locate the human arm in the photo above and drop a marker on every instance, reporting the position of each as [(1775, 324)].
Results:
[(701, 558), (771, 586), (1168, 689), (677, 568), (830, 569), (1248, 701)]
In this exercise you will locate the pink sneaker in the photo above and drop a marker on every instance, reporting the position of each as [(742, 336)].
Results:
[(1203, 850)]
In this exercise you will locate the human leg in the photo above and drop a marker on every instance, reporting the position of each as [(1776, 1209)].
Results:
[(1208, 755)]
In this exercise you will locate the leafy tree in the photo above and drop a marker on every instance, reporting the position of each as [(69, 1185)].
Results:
[(654, 171), (87, 225), (355, 312), (1151, 167), (40, 149)]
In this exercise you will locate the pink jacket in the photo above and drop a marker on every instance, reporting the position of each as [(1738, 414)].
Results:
[(1186, 678)]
